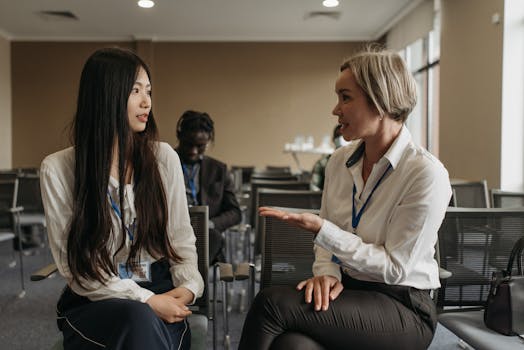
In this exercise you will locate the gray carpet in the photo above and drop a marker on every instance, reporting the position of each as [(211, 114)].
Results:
[(29, 323)]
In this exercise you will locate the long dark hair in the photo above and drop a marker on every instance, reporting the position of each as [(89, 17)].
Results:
[(100, 121)]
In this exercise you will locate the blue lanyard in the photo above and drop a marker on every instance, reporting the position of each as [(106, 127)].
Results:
[(356, 216), (191, 181), (131, 227)]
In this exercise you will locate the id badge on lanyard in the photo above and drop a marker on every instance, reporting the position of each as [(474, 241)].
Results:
[(140, 272)]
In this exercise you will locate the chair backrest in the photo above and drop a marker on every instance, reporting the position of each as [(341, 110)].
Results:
[(8, 195), (8, 192), (29, 195), (278, 168), (284, 185), (470, 194), (506, 199), (273, 176), (267, 197), (8, 174), (304, 199), (287, 252), (244, 171), (199, 216), (275, 173), (473, 243)]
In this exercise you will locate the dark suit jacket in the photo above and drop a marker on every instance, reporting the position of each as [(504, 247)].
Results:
[(217, 192)]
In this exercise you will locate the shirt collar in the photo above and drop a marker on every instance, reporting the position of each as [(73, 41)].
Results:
[(356, 155), (393, 154)]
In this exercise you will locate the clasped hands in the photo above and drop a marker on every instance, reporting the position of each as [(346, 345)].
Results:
[(171, 306), (319, 289)]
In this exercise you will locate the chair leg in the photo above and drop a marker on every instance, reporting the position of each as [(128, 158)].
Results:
[(225, 314), (214, 307), (20, 254)]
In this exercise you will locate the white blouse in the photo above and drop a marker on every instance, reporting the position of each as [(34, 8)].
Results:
[(394, 242), (57, 184)]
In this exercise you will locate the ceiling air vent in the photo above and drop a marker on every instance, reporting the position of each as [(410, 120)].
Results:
[(57, 16), (323, 14)]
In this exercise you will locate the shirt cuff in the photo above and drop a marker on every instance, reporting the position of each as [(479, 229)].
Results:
[(193, 288), (144, 294)]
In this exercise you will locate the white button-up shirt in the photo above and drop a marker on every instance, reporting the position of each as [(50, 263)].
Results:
[(394, 242), (57, 183)]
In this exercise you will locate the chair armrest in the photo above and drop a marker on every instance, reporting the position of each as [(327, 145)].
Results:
[(443, 273), (44, 272), (16, 209), (243, 271), (226, 272)]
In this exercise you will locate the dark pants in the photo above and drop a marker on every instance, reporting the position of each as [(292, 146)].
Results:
[(216, 246), (119, 323), (364, 316)]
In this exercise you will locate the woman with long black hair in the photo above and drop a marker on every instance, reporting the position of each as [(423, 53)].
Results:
[(117, 217)]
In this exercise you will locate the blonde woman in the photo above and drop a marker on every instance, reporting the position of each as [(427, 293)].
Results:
[(383, 202)]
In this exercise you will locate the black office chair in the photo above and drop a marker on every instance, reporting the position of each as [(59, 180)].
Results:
[(507, 199), (290, 198), (10, 222), (32, 218), (472, 254), (470, 194), (287, 252), (256, 184), (204, 309), (462, 296)]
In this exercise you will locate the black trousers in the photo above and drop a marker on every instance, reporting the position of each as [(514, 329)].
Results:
[(365, 315), (120, 323), (216, 246)]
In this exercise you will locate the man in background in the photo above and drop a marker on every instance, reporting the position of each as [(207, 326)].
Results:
[(207, 180), (317, 174)]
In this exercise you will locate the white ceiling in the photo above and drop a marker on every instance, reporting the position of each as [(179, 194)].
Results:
[(202, 20)]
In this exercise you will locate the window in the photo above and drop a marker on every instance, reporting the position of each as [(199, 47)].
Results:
[(422, 59)]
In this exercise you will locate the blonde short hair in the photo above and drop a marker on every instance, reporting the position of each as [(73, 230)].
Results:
[(386, 81)]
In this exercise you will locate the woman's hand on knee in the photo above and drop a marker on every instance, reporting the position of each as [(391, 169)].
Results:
[(168, 308), (321, 290)]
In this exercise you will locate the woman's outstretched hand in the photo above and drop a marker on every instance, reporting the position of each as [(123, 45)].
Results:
[(307, 221)]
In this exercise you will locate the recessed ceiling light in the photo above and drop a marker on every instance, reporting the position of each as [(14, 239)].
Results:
[(330, 3), (146, 3)]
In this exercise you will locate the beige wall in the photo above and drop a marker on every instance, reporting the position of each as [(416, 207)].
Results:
[(5, 104), (45, 82), (263, 94), (259, 94), (471, 89)]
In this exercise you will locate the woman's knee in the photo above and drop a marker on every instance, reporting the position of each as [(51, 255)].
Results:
[(279, 296), (136, 313), (293, 340)]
